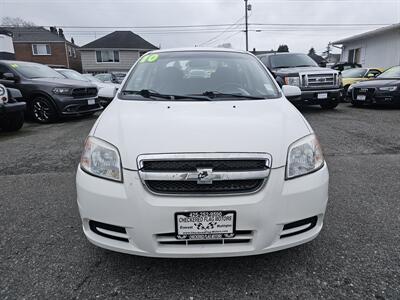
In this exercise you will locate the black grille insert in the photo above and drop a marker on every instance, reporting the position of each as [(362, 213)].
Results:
[(242, 237), (311, 221), (94, 225), (192, 187), (192, 165), (84, 92)]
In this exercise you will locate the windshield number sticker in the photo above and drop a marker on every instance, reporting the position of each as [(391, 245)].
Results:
[(14, 66), (149, 58)]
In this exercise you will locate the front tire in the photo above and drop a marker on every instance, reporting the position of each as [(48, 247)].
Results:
[(12, 122), (43, 110), (330, 104)]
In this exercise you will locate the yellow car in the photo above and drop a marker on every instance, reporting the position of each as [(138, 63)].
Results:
[(351, 76)]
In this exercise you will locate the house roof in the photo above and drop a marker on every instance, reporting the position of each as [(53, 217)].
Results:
[(120, 40), (368, 34), (34, 34)]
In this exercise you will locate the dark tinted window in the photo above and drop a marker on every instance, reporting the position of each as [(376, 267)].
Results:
[(33, 70), (291, 60)]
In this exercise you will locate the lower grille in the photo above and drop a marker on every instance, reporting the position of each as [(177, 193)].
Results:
[(368, 92), (231, 186), (241, 237), (204, 173), (298, 227), (109, 231)]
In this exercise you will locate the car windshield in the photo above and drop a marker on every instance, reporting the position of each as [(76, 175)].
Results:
[(291, 61), (72, 74), (354, 73), (217, 74), (33, 70), (91, 78), (393, 72)]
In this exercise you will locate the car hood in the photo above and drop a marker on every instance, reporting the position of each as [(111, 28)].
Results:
[(145, 127), (318, 70), (63, 82), (377, 83)]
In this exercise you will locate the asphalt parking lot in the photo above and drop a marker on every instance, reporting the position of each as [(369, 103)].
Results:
[(45, 255)]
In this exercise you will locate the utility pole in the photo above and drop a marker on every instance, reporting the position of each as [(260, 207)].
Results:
[(247, 26)]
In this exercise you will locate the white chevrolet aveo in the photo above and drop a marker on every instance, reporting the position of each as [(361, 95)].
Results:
[(201, 155)]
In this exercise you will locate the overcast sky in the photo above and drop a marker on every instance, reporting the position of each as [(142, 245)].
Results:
[(132, 13)]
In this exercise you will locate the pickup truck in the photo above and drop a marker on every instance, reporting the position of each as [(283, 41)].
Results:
[(319, 86), (11, 111)]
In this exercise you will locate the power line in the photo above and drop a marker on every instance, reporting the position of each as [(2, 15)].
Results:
[(234, 25)]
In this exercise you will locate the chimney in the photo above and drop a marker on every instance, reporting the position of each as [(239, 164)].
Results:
[(72, 40), (60, 33), (53, 29)]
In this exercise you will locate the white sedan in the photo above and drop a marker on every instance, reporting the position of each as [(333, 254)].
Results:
[(107, 91), (201, 166)]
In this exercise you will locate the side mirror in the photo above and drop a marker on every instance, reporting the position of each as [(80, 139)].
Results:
[(9, 76), (291, 91)]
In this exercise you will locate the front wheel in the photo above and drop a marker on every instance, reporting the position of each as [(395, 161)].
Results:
[(330, 104), (12, 122), (43, 110)]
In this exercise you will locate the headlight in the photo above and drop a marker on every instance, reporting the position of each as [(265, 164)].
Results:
[(340, 78), (304, 157), (292, 81), (3, 94), (62, 91), (101, 159), (388, 88)]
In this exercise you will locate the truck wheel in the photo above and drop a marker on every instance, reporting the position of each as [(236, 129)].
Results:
[(43, 110), (330, 104), (12, 122)]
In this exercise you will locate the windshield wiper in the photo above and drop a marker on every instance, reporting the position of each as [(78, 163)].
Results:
[(299, 66), (215, 94), (151, 94)]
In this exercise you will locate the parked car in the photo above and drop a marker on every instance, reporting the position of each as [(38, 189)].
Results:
[(113, 77), (355, 75), (182, 166), (11, 111), (106, 91), (47, 93), (341, 66), (319, 86), (384, 89)]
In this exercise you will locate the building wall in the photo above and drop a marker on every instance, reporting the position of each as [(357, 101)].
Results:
[(377, 51), (58, 56), (126, 60)]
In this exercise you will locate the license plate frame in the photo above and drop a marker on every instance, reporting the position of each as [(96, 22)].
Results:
[(91, 102), (361, 97), (321, 96), (205, 231)]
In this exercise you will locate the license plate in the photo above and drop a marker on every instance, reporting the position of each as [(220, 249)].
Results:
[(361, 97), (205, 225), (322, 96), (91, 102)]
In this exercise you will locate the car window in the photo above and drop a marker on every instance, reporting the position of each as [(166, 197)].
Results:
[(291, 60), (393, 72), (354, 73), (373, 72), (33, 70), (3, 69), (197, 72), (72, 74)]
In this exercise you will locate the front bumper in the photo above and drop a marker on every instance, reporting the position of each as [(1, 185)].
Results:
[(12, 107), (374, 96), (310, 97), (78, 106), (149, 219)]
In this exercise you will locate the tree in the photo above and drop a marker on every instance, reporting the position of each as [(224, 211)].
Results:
[(283, 48), (16, 22), (311, 51)]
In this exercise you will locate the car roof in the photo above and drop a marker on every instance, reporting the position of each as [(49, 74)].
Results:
[(198, 49), (280, 53)]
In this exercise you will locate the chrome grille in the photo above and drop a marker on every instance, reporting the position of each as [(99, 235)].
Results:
[(241, 237), (320, 80), (204, 173)]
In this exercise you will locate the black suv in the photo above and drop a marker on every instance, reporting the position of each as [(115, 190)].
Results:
[(321, 86), (11, 111), (47, 93)]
